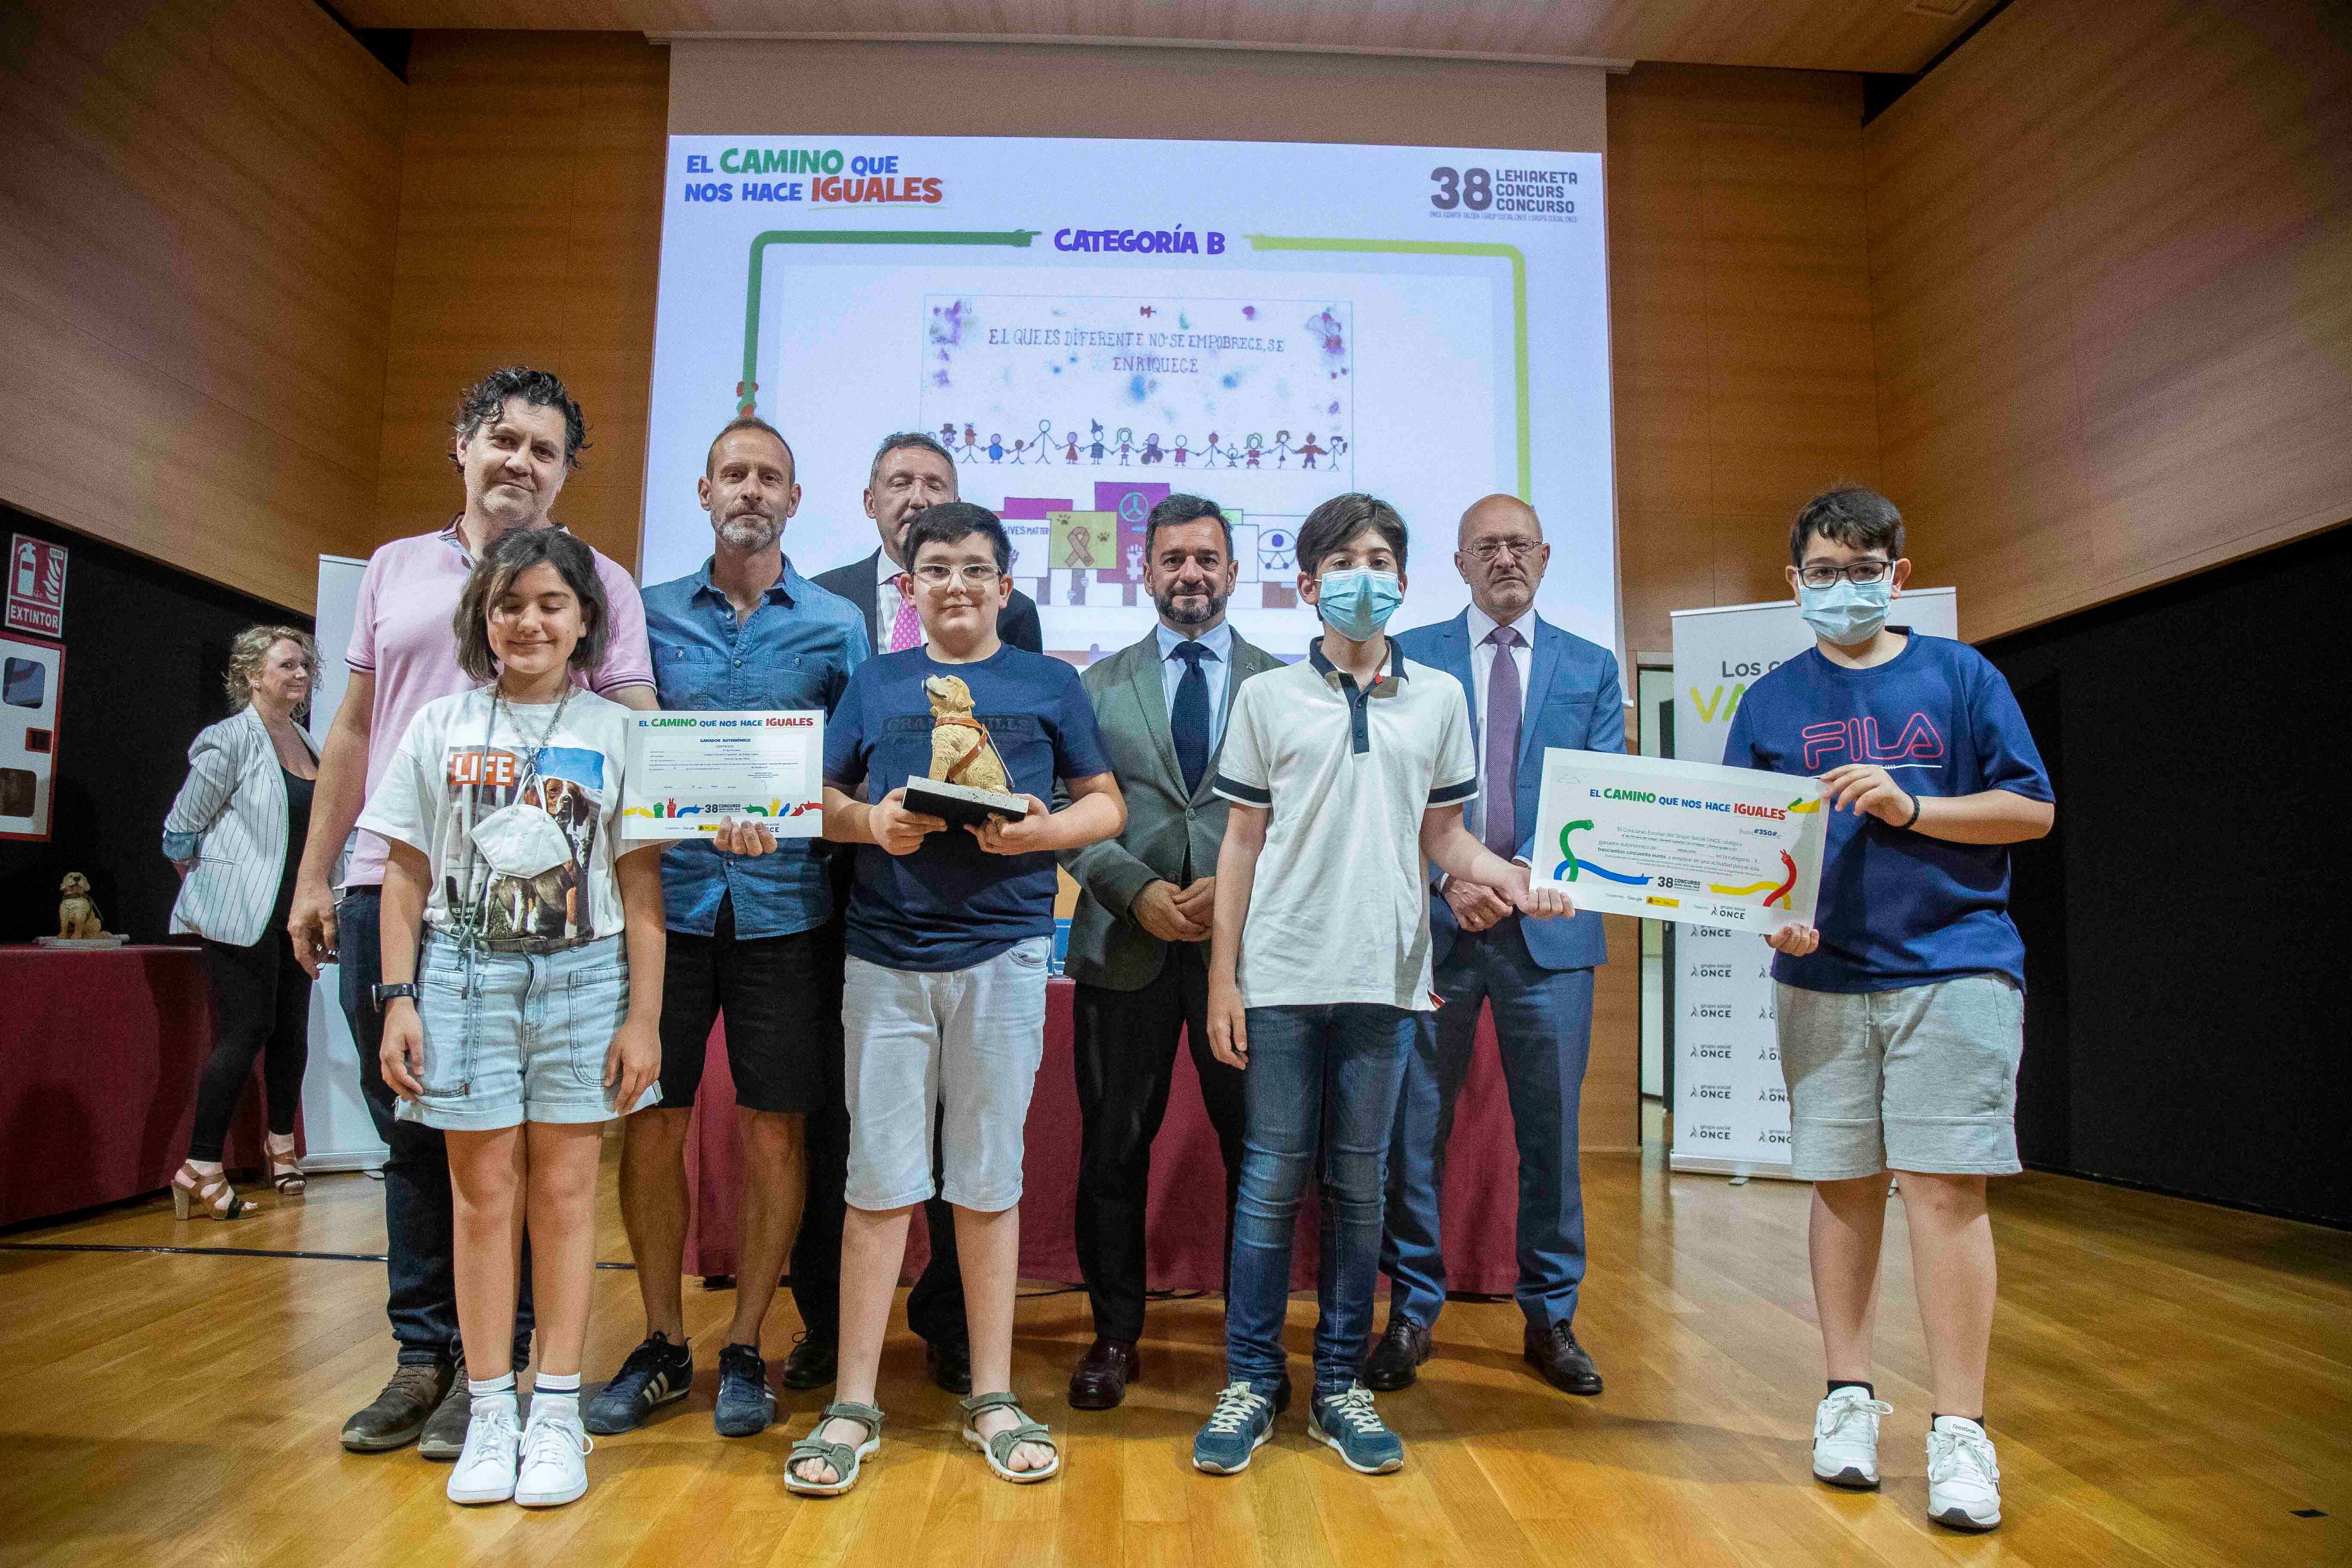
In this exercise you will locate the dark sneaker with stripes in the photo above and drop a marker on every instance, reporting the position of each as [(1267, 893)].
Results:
[(656, 1372), (746, 1404)]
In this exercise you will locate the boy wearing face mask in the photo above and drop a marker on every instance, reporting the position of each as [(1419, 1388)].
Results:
[(1901, 1013), (1343, 772)]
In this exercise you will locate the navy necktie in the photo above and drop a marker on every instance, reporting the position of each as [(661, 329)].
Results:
[(1498, 791), (1188, 718)]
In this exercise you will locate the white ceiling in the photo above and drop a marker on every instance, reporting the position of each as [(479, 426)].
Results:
[(1816, 35)]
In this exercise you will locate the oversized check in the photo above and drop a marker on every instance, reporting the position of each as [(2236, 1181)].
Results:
[(1680, 841), (689, 772)]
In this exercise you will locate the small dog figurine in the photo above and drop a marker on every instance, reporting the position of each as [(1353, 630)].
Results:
[(961, 752), (77, 916)]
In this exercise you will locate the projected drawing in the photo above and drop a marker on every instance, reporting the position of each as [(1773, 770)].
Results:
[(1262, 384)]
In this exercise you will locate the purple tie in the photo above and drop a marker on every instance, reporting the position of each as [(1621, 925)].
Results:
[(1498, 791)]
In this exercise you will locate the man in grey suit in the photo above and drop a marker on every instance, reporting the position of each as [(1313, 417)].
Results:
[(1138, 938)]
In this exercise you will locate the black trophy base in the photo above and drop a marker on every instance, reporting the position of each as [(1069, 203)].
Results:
[(960, 805)]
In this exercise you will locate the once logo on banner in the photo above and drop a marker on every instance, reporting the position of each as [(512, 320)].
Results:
[(37, 587)]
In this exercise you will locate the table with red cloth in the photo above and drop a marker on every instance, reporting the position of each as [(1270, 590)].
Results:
[(1186, 1223), (99, 1050)]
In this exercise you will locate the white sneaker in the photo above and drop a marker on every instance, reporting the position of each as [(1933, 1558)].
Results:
[(486, 1466), (1963, 1478), (554, 1458), (1845, 1439)]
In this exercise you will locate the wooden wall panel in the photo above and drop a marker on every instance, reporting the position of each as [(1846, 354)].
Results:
[(2111, 258), (529, 232), (1740, 315), (196, 220)]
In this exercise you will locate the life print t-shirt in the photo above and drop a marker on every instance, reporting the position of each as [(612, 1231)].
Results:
[(468, 755)]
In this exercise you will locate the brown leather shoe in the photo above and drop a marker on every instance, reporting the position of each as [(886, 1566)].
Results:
[(1554, 1352), (1396, 1361), (1103, 1374)]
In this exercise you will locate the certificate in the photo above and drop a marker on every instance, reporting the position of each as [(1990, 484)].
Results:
[(690, 771), (1680, 841)]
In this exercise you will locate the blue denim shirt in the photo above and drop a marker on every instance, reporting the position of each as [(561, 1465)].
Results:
[(795, 650)]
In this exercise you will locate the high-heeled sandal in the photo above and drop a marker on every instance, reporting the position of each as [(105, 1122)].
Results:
[(285, 1172), (198, 1197)]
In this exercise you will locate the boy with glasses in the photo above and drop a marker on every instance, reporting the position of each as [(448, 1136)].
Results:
[(1901, 1013), (943, 1004)]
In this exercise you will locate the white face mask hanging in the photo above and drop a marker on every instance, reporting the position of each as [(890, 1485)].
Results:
[(521, 840), (517, 839)]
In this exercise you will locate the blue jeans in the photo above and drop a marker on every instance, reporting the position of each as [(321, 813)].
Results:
[(1322, 1094), (1543, 1022), (417, 1219)]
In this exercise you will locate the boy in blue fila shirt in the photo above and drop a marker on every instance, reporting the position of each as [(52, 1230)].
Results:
[(1901, 1014)]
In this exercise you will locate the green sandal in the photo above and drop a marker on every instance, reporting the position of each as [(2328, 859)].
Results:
[(998, 1449), (845, 1459)]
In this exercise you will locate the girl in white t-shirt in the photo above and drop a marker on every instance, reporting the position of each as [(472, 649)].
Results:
[(528, 1018)]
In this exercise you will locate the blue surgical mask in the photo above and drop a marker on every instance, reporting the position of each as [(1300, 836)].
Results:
[(1357, 602), (1845, 613)]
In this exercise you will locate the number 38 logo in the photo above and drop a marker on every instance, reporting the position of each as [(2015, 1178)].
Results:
[(1471, 188)]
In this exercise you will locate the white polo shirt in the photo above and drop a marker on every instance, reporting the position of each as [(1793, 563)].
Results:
[(1339, 911)]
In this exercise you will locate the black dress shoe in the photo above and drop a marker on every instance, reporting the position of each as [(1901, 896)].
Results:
[(1103, 1374), (813, 1363), (1396, 1361), (1564, 1364), (950, 1366)]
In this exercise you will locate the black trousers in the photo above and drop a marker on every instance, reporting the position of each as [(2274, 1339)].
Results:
[(261, 1008), (1125, 1047), (419, 1223), (935, 1306)]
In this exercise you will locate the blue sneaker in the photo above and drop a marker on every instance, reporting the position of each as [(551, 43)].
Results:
[(746, 1405), (656, 1372), (1348, 1421), (1243, 1421)]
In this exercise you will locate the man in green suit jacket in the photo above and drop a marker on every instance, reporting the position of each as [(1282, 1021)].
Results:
[(1139, 940)]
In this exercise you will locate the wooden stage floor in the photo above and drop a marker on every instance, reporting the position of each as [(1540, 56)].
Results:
[(2171, 1384)]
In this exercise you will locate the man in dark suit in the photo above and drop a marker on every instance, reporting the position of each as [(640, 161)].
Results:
[(1531, 686), (910, 472), (1138, 937)]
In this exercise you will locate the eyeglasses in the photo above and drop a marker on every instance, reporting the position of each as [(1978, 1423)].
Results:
[(1821, 573), (1492, 550), (975, 574)]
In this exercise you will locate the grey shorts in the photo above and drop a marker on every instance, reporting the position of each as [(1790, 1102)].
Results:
[(960, 1046), (520, 1038), (1923, 1078)]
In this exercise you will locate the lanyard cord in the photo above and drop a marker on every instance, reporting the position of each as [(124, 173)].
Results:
[(472, 913)]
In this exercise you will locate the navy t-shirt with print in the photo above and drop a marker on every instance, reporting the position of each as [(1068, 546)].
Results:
[(1898, 908), (951, 904)]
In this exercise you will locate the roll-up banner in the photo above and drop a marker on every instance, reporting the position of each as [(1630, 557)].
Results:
[(338, 1131), (1731, 1108)]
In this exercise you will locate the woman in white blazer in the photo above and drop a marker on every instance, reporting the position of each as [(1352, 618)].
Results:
[(236, 834)]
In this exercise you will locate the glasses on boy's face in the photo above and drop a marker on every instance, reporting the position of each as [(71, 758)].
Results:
[(1821, 573), (974, 574)]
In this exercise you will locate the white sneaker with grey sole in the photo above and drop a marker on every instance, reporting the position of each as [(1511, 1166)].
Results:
[(1845, 1439), (486, 1466), (1963, 1477), (554, 1456)]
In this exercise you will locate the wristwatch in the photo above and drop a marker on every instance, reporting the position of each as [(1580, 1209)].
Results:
[(385, 994)]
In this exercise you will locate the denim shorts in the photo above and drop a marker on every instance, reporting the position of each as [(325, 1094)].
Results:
[(961, 1045), (511, 1038)]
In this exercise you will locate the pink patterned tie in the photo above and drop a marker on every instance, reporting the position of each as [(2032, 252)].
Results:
[(906, 629)]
